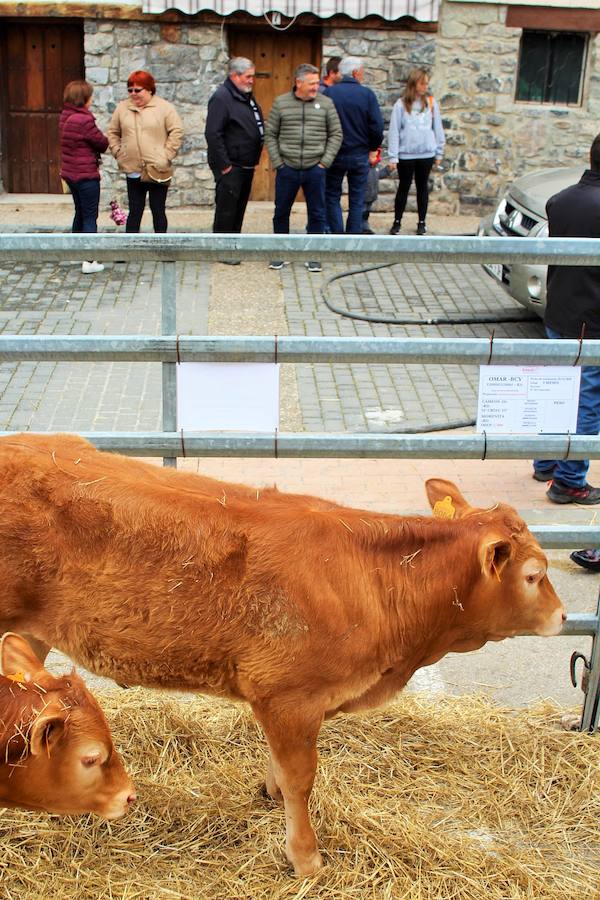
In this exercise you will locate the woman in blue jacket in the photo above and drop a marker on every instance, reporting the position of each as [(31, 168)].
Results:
[(415, 142)]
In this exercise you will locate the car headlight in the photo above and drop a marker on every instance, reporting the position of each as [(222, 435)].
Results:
[(499, 212)]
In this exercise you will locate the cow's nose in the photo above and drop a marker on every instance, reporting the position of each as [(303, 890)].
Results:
[(564, 617), (131, 798)]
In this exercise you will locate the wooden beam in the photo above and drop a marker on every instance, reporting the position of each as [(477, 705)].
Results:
[(550, 18)]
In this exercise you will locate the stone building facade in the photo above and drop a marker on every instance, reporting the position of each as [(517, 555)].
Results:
[(189, 61), (473, 53), (491, 137)]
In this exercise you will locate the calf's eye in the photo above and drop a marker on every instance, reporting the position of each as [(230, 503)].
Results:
[(91, 760)]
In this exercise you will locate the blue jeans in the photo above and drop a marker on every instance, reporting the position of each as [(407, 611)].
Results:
[(356, 169), (573, 472), (86, 197), (288, 182)]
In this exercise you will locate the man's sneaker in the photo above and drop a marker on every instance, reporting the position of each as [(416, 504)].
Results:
[(421, 228), (313, 266), (587, 559), (584, 496), (544, 475), (395, 229), (276, 264), (90, 267)]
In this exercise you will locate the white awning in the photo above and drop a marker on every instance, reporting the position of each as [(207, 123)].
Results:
[(423, 10)]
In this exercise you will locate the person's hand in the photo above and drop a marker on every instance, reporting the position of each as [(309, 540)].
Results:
[(373, 157), (227, 170), (321, 166)]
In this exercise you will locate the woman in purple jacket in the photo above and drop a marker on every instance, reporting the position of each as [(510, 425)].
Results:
[(81, 143)]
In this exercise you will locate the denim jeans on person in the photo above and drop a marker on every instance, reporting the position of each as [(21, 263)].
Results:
[(136, 196), (573, 472), (355, 167), (288, 182), (86, 198)]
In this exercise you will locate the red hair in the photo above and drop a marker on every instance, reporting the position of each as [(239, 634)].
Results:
[(142, 79)]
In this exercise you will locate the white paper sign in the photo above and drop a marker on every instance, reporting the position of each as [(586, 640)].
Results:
[(528, 399), (228, 396)]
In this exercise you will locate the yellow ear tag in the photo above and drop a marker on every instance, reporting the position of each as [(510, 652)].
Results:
[(19, 677), (443, 509)]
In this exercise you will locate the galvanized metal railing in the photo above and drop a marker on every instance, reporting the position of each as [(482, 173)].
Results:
[(171, 348)]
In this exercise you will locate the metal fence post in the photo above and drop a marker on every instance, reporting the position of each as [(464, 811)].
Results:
[(168, 286), (590, 718)]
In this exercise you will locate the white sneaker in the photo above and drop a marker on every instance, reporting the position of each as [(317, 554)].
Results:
[(88, 267)]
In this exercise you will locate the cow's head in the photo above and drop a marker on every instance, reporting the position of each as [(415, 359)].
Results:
[(66, 763), (512, 593)]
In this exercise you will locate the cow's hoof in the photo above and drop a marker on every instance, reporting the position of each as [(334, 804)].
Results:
[(570, 722), (308, 866)]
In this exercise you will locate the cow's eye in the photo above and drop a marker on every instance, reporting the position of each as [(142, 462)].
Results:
[(92, 759), (534, 577)]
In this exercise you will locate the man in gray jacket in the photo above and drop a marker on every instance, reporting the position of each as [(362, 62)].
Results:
[(303, 135)]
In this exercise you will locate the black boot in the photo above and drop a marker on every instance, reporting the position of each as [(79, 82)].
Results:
[(395, 229), (421, 227)]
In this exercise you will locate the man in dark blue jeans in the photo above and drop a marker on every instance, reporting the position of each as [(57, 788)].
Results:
[(362, 124), (573, 311), (303, 135)]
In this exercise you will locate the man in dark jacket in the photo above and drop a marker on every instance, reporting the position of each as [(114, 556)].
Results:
[(234, 135), (362, 124), (573, 311)]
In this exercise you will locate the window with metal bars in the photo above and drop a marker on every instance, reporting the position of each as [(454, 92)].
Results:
[(551, 66)]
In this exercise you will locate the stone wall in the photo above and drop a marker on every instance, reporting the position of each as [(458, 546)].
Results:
[(187, 61), (491, 139)]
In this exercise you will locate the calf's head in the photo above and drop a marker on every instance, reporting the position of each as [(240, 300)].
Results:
[(511, 593), (60, 756)]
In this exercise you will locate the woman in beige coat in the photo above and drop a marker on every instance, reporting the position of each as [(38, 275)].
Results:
[(144, 135)]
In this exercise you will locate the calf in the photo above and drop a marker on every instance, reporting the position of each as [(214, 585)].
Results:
[(56, 752), (301, 607)]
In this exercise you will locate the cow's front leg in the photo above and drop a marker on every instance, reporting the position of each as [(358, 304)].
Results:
[(292, 739)]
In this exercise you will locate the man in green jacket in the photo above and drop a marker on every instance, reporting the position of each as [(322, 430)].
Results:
[(303, 135)]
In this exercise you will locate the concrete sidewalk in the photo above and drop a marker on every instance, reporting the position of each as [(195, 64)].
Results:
[(250, 299)]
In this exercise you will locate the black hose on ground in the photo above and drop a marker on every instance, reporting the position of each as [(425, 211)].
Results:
[(487, 319)]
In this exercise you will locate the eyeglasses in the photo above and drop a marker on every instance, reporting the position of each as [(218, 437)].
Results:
[(135, 90)]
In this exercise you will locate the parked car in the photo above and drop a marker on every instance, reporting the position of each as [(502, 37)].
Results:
[(522, 213)]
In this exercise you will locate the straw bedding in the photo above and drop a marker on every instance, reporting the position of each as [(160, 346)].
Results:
[(445, 798)]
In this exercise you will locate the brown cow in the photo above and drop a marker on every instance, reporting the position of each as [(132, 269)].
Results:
[(55, 746), (301, 607)]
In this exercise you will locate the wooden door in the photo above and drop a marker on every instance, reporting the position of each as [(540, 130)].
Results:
[(275, 56), (37, 62)]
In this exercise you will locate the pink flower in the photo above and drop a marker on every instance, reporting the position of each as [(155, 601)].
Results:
[(116, 213)]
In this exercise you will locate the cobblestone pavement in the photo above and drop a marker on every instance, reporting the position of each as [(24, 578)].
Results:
[(57, 299), (392, 397), (125, 299)]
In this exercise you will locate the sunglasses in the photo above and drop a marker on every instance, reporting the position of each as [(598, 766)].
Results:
[(135, 90)]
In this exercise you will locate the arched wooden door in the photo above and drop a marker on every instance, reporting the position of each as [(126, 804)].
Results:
[(275, 55), (37, 60)]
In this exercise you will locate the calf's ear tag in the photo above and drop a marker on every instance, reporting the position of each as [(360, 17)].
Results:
[(444, 509), (19, 677)]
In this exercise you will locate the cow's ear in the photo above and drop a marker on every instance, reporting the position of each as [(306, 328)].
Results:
[(46, 730), (445, 499), (494, 553), (17, 657)]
